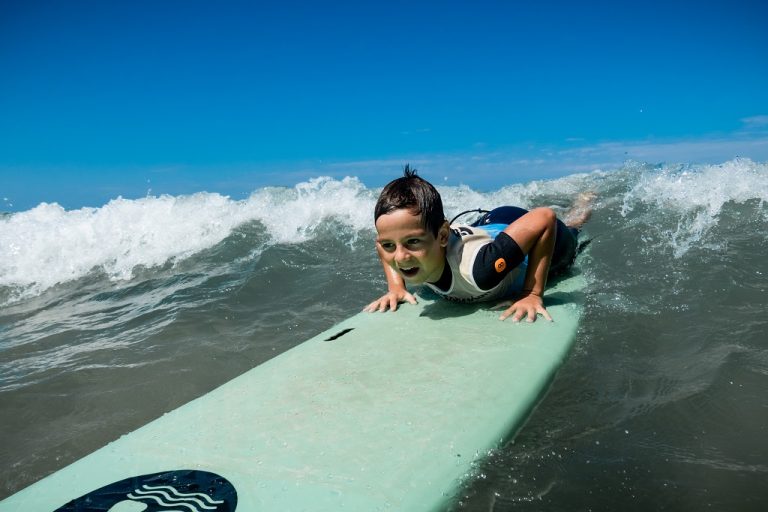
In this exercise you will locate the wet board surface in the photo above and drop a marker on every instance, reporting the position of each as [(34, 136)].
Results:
[(384, 411)]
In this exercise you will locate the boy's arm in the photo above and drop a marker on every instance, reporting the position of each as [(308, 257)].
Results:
[(397, 291), (535, 233)]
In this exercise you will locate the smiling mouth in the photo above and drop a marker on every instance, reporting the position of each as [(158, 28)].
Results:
[(409, 271)]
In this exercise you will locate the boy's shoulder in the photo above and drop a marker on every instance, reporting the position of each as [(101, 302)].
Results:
[(466, 233), (466, 241)]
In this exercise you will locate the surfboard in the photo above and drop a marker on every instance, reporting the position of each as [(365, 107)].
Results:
[(384, 411)]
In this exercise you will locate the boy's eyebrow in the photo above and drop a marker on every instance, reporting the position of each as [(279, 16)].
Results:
[(412, 234)]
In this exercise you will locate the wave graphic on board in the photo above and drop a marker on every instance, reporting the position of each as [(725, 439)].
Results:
[(168, 496), (183, 490)]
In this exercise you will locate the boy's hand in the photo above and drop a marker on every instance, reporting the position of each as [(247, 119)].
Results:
[(390, 300), (527, 306)]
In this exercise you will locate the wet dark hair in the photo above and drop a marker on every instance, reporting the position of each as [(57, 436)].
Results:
[(413, 193)]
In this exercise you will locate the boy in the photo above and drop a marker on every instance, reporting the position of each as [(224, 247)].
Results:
[(417, 246)]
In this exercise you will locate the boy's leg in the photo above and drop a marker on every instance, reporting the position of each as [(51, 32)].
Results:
[(581, 210), (566, 244)]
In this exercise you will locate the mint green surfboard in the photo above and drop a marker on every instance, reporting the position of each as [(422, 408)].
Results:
[(385, 411)]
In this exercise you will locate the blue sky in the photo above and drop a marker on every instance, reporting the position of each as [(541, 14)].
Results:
[(100, 99)]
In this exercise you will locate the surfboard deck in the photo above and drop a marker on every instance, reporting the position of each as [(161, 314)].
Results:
[(384, 411)]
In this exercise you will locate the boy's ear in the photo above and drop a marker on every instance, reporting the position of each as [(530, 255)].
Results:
[(442, 235)]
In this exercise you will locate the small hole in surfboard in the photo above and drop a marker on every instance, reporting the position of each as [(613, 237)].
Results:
[(339, 334)]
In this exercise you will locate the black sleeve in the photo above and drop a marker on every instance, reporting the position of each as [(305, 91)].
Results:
[(495, 260)]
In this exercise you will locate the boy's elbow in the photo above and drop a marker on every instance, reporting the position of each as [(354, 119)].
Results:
[(547, 215)]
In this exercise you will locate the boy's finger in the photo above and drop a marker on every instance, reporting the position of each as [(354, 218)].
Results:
[(506, 313), (520, 314)]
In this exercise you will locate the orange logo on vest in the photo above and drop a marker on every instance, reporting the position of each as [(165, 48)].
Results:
[(500, 265)]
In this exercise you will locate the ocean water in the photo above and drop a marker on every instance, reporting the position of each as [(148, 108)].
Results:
[(112, 316)]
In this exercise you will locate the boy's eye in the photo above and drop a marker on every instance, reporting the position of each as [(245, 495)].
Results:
[(413, 241), (387, 246)]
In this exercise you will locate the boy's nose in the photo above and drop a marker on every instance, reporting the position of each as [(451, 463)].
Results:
[(401, 254)]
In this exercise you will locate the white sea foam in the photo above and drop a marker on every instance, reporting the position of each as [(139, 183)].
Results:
[(48, 245), (525, 195), (293, 215), (695, 195)]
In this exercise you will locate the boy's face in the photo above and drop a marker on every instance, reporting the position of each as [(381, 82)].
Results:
[(406, 246)]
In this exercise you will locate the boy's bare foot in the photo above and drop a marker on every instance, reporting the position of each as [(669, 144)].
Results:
[(581, 210)]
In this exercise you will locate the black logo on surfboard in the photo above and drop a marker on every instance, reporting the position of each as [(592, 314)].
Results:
[(172, 491)]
